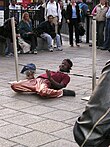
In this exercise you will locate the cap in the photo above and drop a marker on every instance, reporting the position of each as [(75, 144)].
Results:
[(29, 66)]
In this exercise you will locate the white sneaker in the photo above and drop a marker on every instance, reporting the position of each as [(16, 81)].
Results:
[(51, 49), (59, 48)]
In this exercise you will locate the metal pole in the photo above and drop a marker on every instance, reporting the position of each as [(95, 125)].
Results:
[(93, 53), (14, 46)]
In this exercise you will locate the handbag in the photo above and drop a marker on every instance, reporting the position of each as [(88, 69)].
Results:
[(24, 45), (81, 30)]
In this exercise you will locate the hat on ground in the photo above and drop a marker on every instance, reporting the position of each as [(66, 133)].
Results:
[(29, 66)]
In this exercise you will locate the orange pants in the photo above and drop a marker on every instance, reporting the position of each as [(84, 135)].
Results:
[(39, 86)]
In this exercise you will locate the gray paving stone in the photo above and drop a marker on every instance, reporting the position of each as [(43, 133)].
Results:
[(59, 115), (6, 111), (17, 105), (38, 110), (66, 133), (5, 99), (24, 119), (3, 123), (34, 139), (48, 126), (61, 143), (12, 130), (68, 106), (6, 143)]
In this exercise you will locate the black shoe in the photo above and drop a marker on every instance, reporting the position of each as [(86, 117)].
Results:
[(68, 92)]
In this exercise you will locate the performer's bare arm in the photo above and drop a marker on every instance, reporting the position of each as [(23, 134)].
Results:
[(54, 83)]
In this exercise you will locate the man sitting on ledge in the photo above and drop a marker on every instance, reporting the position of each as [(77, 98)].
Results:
[(49, 84), (46, 30)]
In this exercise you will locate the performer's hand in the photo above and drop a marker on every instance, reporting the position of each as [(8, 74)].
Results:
[(48, 74)]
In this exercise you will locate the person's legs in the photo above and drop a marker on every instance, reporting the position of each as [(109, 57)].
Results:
[(76, 31), (9, 48), (48, 38), (58, 42), (101, 33), (33, 41), (70, 26), (106, 44), (39, 86)]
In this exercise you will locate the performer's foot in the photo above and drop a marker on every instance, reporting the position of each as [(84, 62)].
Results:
[(68, 92)]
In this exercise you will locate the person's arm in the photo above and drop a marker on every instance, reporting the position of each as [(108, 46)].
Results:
[(59, 13), (53, 82), (94, 11)]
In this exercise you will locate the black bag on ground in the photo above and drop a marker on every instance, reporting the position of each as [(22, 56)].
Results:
[(92, 129), (81, 30)]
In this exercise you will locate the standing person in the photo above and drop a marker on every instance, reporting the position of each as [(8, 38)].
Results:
[(41, 11), (106, 45), (100, 12), (26, 31), (13, 5), (63, 16), (49, 84), (73, 19), (53, 8), (13, 10), (83, 13), (46, 30)]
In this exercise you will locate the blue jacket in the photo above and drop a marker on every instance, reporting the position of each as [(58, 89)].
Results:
[(24, 28)]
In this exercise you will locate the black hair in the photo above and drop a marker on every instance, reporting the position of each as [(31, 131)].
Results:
[(50, 16), (69, 62)]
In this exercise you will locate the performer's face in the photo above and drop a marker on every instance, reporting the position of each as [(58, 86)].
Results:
[(64, 67)]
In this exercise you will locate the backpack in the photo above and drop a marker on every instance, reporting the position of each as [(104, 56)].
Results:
[(83, 10)]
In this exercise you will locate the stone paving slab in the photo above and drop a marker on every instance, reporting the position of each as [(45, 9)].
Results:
[(34, 139), (11, 130), (6, 143), (48, 126)]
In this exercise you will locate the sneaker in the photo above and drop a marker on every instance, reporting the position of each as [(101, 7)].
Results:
[(51, 49), (59, 49), (10, 55)]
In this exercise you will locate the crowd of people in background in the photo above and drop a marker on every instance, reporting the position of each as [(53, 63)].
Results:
[(50, 17)]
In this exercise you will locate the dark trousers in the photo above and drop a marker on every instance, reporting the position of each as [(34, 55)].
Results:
[(100, 33), (107, 35), (32, 38), (73, 22)]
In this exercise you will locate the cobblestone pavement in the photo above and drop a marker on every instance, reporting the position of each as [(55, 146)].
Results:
[(26, 120)]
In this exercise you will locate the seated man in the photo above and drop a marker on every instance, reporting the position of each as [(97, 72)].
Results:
[(46, 30), (49, 84), (92, 129)]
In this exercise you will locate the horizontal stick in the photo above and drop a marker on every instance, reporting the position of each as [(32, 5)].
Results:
[(79, 75)]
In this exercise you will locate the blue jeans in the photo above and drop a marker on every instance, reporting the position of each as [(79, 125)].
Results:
[(49, 39), (107, 35), (9, 48)]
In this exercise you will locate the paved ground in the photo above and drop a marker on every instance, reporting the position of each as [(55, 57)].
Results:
[(29, 121)]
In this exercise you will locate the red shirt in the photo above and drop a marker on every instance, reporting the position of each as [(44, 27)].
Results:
[(58, 77)]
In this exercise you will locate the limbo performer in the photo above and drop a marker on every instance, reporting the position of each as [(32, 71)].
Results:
[(49, 84)]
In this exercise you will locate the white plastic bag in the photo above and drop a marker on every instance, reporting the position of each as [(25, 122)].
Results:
[(24, 45)]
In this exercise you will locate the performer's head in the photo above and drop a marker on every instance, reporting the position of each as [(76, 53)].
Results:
[(66, 65)]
